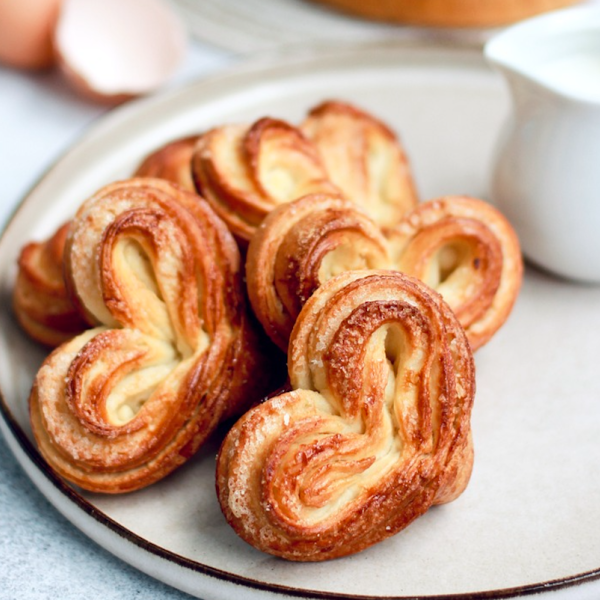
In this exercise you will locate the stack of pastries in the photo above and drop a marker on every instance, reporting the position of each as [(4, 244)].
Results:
[(173, 299)]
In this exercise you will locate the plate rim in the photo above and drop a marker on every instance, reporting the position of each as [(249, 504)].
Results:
[(253, 66)]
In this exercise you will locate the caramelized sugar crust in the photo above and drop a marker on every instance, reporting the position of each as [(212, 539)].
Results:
[(301, 245), (247, 171), (460, 246), (375, 431), (172, 162), (40, 299), (173, 353), (467, 250), (364, 158)]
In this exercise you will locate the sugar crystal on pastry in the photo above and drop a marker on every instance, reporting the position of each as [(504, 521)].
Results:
[(124, 404), (460, 246), (245, 171), (367, 441)]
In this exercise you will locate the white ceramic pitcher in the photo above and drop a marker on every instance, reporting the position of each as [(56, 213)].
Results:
[(547, 176)]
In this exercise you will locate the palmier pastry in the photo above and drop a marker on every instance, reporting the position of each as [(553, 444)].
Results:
[(172, 162), (468, 252), (375, 431), (40, 298), (364, 158), (301, 245), (245, 172), (125, 403), (462, 247)]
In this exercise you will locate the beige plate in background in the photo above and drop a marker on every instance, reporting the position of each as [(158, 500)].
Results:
[(530, 518)]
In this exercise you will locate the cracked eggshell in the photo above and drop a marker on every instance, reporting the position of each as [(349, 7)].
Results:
[(113, 50)]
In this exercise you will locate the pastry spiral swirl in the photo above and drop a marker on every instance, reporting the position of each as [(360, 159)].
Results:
[(245, 172), (375, 431), (364, 158), (301, 245), (40, 299), (125, 403), (466, 250), (462, 247), (172, 162)]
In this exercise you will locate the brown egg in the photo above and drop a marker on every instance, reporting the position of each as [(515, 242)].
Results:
[(26, 29)]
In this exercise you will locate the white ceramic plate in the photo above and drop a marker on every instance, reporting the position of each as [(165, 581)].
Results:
[(530, 518)]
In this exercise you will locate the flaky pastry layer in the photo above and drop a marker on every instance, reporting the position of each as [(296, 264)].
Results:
[(247, 171), (375, 431), (460, 246), (172, 161), (125, 403), (467, 250), (40, 299), (364, 158), (301, 245)]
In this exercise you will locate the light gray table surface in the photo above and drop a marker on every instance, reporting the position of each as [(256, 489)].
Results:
[(42, 555)]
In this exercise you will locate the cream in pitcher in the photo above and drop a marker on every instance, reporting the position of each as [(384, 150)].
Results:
[(547, 175)]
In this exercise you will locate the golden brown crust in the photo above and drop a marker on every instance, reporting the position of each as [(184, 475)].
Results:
[(460, 246), (122, 405), (448, 13), (40, 299), (466, 250), (172, 162), (376, 431), (245, 172), (364, 158), (301, 245)]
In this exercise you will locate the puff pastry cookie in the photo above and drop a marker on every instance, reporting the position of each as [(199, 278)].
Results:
[(301, 245), (375, 431), (460, 246), (172, 162), (40, 299), (125, 403), (465, 249), (364, 158), (247, 171)]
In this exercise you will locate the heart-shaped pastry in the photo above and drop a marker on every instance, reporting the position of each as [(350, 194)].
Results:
[(465, 249), (125, 403), (301, 245), (460, 246), (375, 431)]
